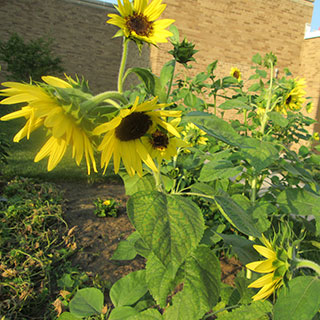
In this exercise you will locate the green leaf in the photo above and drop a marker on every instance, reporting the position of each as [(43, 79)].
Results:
[(87, 302), (255, 87), (160, 91), (235, 104), (221, 169), (160, 279), (123, 313), (150, 314), (192, 100), (125, 251), (257, 59), (201, 287), (146, 76), (259, 154), (129, 289), (167, 72), (68, 316), (257, 310), (278, 119), (135, 184), (300, 301), (162, 219), (215, 127), (175, 34), (242, 247), (211, 67), (299, 202), (236, 215)]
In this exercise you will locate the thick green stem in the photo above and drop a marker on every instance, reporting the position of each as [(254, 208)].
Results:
[(215, 103), (123, 63), (301, 263), (157, 179), (171, 80)]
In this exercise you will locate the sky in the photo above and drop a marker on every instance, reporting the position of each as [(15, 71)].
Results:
[(315, 24)]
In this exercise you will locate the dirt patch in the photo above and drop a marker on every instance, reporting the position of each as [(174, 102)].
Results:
[(97, 238)]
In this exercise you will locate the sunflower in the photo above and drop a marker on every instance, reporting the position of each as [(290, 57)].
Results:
[(137, 21), (294, 99), (273, 266), (124, 133), (194, 136), (161, 144), (235, 73), (44, 109)]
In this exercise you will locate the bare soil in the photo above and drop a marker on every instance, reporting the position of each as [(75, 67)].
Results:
[(97, 238)]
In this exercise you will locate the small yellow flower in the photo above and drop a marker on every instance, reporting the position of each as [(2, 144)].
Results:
[(138, 21), (316, 136), (44, 109), (235, 72), (272, 266), (107, 202)]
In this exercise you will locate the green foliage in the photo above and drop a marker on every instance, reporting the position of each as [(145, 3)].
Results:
[(106, 208), (4, 149), (29, 60), (32, 250)]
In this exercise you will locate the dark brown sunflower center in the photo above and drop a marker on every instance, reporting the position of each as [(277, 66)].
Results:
[(236, 74), (159, 140), (134, 126), (289, 99), (139, 24)]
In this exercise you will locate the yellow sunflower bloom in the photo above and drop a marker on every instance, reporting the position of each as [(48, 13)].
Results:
[(44, 109), (124, 133), (271, 266), (138, 21), (235, 73), (163, 145), (295, 98), (194, 136)]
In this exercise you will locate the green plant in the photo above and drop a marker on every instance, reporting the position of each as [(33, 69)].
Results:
[(104, 208), (25, 60)]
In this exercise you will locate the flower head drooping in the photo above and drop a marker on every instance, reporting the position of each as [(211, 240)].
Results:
[(235, 73), (44, 108), (294, 99), (275, 267), (138, 21), (162, 144), (124, 133)]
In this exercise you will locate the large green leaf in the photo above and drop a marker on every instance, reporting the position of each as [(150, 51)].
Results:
[(160, 279), (278, 119), (123, 313), (235, 103), (299, 201), (135, 184), (68, 316), (259, 154), (126, 248), (150, 314), (215, 127), (201, 287), (300, 301), (171, 226), (167, 72), (242, 247), (257, 310), (87, 302), (218, 169), (129, 289), (236, 215)]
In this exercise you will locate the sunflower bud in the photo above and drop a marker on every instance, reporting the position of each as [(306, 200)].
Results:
[(183, 51)]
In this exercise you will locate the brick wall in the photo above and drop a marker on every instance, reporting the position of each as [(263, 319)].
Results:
[(231, 31), (82, 38)]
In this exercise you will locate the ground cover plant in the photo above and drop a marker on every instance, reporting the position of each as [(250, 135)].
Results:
[(199, 183)]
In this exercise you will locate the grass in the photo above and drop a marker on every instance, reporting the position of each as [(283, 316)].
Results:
[(21, 156)]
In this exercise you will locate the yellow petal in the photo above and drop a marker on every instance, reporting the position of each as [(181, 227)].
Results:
[(266, 252), (261, 266), (262, 281), (56, 82)]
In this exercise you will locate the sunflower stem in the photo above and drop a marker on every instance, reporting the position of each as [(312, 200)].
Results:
[(157, 178), (265, 116), (171, 80), (301, 263), (123, 63)]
